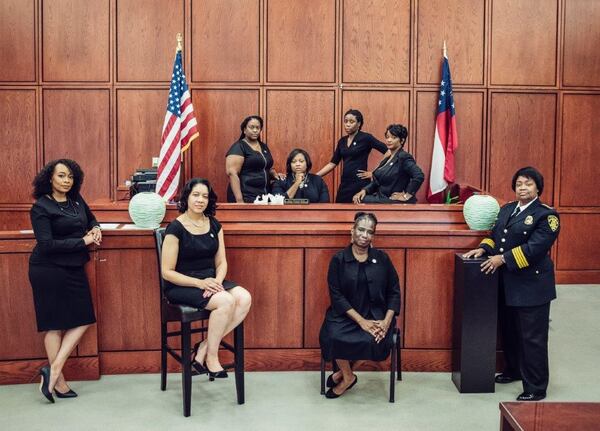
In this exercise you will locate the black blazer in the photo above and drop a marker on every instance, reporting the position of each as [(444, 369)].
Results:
[(525, 241), (383, 283), (401, 174), (315, 189), (59, 232)]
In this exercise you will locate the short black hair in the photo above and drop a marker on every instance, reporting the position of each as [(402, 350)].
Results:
[(399, 131), (211, 208), (294, 153), (358, 115), (531, 173), (247, 120), (359, 216), (41, 183)]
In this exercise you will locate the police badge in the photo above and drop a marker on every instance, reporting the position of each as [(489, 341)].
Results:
[(528, 220), (553, 222)]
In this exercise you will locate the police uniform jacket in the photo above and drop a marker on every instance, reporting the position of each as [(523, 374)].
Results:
[(525, 241)]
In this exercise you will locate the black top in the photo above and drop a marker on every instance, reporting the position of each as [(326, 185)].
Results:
[(356, 156), (401, 174), (254, 176), (196, 257), (59, 228), (314, 188)]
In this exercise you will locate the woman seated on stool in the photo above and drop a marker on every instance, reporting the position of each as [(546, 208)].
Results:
[(299, 183), (365, 298), (397, 178), (194, 265)]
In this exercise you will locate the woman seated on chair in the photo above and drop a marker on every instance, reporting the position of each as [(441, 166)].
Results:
[(194, 267), (299, 183), (365, 298)]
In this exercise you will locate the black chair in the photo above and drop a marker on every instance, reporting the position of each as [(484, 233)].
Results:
[(395, 367), (185, 316)]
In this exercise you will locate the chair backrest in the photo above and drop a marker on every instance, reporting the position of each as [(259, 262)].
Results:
[(159, 237)]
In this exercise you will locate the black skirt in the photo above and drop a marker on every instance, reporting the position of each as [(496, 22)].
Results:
[(348, 188), (61, 296), (191, 296)]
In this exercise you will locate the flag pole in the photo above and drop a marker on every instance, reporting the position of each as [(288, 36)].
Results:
[(179, 48), (445, 51)]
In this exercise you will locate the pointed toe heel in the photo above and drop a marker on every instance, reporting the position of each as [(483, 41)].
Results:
[(45, 384)]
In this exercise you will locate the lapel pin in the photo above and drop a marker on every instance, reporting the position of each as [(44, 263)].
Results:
[(528, 220), (374, 260)]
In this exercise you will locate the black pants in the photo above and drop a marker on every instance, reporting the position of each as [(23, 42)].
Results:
[(525, 341)]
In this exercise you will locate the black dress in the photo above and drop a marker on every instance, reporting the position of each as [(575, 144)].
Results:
[(254, 176), (401, 174), (196, 258), (314, 188), (355, 158), (370, 288), (61, 292)]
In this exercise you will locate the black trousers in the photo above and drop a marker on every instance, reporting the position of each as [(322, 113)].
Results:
[(525, 341)]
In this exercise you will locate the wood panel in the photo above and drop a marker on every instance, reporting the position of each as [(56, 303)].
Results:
[(219, 114), (461, 23), (275, 279), (146, 38), (76, 126), (17, 40), (225, 52), (524, 42), (75, 40), (580, 150), (301, 119), (17, 144), (15, 372), (316, 296), (376, 41), (128, 299), (469, 121), (140, 116), (581, 65), (429, 296), (522, 134), (301, 41), (575, 252)]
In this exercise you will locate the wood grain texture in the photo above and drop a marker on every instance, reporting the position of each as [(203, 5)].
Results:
[(17, 40), (219, 114), (524, 42), (580, 151), (574, 252), (314, 133), (229, 52), (468, 158), (18, 372), (461, 23), (522, 134), (17, 144), (146, 40), (376, 41), (140, 116), (301, 41), (75, 40), (129, 300), (581, 64), (274, 278), (76, 126), (429, 296)]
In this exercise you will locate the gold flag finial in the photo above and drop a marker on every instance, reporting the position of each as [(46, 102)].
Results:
[(179, 42), (445, 50)]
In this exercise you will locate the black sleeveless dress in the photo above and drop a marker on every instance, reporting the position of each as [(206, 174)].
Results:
[(196, 258)]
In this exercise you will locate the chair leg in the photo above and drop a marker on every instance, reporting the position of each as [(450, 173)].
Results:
[(238, 345), (323, 376), (186, 365), (399, 356), (163, 356), (393, 372)]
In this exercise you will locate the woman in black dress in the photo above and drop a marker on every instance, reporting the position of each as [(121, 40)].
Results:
[(194, 265), (353, 149), (365, 298), (63, 226), (249, 164), (397, 178), (299, 183)]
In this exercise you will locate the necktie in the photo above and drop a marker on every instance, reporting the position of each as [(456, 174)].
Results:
[(515, 212)]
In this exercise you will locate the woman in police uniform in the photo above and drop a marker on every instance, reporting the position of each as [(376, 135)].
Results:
[(519, 248)]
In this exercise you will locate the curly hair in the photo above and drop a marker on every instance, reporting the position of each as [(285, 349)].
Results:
[(399, 131), (42, 182), (182, 205)]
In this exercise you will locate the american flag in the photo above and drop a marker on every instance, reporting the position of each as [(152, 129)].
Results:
[(179, 130)]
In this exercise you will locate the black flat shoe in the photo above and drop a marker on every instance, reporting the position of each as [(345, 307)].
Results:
[(217, 375), (330, 394), (527, 396), (330, 382), (69, 394), (505, 378), (45, 373)]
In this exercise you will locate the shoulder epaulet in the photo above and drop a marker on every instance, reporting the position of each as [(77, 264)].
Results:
[(548, 206)]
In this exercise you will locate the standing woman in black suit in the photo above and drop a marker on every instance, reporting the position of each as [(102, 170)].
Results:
[(63, 226), (397, 178), (519, 247), (353, 149)]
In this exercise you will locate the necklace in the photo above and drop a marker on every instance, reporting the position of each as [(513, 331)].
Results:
[(196, 224), (68, 209)]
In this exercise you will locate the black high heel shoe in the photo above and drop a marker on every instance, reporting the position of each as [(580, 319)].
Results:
[(45, 383), (69, 394), (198, 368), (217, 375)]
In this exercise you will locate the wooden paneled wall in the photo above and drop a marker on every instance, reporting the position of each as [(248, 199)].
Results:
[(89, 80)]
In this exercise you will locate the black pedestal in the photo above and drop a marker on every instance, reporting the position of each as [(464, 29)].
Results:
[(474, 326)]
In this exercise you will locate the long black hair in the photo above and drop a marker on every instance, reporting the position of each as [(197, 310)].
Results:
[(294, 153), (247, 120), (42, 181), (211, 208)]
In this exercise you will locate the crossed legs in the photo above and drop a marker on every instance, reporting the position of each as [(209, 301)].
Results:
[(59, 346)]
